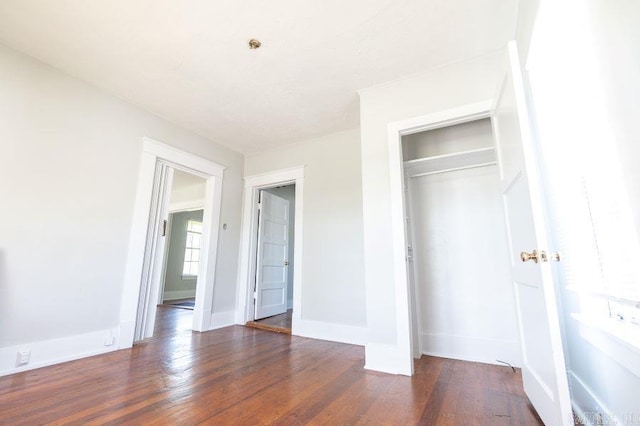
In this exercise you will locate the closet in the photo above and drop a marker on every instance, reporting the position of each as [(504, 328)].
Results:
[(462, 296)]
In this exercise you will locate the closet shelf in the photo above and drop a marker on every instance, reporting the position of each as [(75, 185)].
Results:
[(450, 162)]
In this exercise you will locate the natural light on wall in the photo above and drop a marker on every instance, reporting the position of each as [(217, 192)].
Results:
[(591, 215)]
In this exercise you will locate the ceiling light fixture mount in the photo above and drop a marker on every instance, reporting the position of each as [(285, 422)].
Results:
[(254, 44)]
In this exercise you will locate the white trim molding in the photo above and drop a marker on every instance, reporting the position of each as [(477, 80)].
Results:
[(586, 405), (390, 359), (473, 349), (222, 319), (246, 265), (142, 273), (178, 294), (399, 358), (351, 334), (183, 160), (55, 351)]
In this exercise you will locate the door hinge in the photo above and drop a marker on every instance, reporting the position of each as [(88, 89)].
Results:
[(255, 296), (259, 206), (164, 228)]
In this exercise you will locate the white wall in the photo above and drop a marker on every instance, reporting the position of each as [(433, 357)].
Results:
[(463, 273), (448, 140), (289, 193), (332, 265), (440, 89), (68, 175), (527, 12), (617, 36), (187, 191)]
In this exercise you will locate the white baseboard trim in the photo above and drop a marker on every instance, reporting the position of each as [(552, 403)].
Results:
[(222, 319), (587, 407), (321, 330), (388, 359), (179, 294), (127, 334), (471, 349), (56, 351)]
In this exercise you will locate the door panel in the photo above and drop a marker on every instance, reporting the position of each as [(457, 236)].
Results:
[(543, 371), (272, 256)]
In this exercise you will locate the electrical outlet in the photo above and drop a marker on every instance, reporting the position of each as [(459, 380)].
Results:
[(108, 339), (23, 357)]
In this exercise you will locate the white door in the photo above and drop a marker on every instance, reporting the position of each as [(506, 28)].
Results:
[(272, 256), (152, 267), (543, 371)]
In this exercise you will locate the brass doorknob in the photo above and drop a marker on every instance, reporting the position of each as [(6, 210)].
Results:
[(534, 255)]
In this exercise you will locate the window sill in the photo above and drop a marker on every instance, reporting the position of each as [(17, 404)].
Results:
[(618, 340), (189, 277)]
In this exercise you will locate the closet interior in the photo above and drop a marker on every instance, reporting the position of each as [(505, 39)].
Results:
[(463, 305)]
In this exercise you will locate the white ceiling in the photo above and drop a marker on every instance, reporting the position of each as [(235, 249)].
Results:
[(188, 61)]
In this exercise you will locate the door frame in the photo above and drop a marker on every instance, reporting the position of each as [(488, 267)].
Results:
[(395, 131), (142, 274), (248, 242)]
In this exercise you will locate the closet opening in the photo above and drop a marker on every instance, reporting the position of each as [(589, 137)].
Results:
[(462, 301)]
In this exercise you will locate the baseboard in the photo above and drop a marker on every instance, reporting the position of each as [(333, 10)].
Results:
[(127, 334), (587, 407), (222, 319), (465, 348), (179, 294), (350, 334), (388, 359), (56, 351)]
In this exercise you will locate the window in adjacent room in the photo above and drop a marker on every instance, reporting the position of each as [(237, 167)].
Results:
[(192, 249)]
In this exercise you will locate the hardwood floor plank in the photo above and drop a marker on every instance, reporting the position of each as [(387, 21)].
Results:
[(238, 375), (279, 323)]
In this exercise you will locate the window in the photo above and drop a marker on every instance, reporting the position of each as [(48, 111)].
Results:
[(192, 249), (591, 218), (616, 247), (595, 234)]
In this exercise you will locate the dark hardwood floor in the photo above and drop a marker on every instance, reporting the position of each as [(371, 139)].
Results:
[(243, 376)]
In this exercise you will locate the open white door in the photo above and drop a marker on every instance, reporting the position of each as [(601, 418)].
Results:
[(272, 256), (156, 240), (543, 371)]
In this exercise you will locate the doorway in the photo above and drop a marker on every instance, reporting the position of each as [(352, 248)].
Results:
[(146, 246), (184, 241), (458, 270), (182, 255), (290, 181), (275, 248), (543, 367)]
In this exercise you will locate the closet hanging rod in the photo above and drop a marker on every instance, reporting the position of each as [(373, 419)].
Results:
[(454, 169)]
